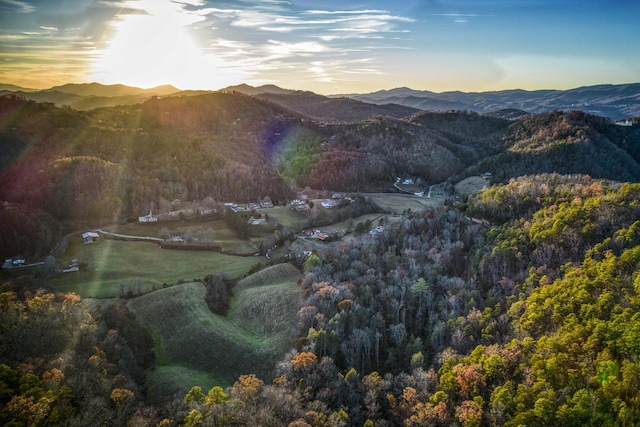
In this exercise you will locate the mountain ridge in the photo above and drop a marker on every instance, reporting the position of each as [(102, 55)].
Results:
[(614, 101), (607, 100)]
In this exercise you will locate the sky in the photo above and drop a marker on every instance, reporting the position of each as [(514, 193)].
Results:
[(328, 46)]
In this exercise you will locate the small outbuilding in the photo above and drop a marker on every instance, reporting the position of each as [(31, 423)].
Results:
[(90, 237)]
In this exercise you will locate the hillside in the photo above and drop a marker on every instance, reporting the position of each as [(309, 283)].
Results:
[(516, 305), (118, 162), (335, 109), (197, 345), (566, 143)]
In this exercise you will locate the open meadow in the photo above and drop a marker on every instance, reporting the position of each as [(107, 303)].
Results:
[(113, 266), (196, 347), (398, 203), (207, 232), (283, 215), (472, 185)]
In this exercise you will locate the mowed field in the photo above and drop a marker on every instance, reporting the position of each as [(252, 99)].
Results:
[(472, 185), (196, 347), (283, 215), (398, 203), (112, 264), (213, 232)]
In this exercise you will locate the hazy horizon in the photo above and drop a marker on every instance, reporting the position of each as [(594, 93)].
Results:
[(324, 94), (326, 47)]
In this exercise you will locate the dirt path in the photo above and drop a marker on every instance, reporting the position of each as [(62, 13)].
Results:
[(128, 237)]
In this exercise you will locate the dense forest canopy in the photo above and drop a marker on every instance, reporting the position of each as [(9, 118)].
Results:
[(517, 306)]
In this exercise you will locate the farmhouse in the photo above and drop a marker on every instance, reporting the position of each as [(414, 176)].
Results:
[(255, 221), (90, 237), (148, 218), (329, 204), (298, 205)]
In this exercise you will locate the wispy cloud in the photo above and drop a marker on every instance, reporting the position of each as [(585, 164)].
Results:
[(460, 18), (17, 6), (256, 41), (279, 38)]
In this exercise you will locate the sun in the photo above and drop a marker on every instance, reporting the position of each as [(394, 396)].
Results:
[(153, 47)]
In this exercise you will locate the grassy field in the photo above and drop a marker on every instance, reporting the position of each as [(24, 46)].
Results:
[(398, 203), (196, 347), (214, 232), (294, 221), (112, 263), (472, 185)]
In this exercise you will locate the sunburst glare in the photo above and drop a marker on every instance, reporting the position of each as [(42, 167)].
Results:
[(153, 47)]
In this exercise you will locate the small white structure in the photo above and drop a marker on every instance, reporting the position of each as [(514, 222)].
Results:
[(379, 229), (255, 221), (90, 237), (148, 218), (624, 122)]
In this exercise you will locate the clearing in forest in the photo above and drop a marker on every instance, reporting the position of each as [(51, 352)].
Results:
[(398, 203), (111, 266), (197, 347), (471, 185)]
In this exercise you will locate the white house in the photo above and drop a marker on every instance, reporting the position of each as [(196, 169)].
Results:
[(328, 204), (148, 218)]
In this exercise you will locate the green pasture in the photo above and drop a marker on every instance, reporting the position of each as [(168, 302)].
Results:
[(398, 203), (294, 221), (196, 347), (211, 232), (112, 264)]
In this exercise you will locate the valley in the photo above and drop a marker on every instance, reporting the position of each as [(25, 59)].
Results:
[(296, 271)]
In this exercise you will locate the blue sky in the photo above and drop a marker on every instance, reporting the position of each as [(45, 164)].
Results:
[(328, 47)]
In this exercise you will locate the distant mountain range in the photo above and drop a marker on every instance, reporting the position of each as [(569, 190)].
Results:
[(87, 96), (611, 101)]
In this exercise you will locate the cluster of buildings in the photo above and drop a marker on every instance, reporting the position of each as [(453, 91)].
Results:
[(16, 261)]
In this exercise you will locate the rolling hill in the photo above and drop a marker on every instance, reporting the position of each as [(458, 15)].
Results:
[(195, 344), (117, 162)]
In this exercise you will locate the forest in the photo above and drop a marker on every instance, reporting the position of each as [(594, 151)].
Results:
[(438, 320), (518, 306)]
